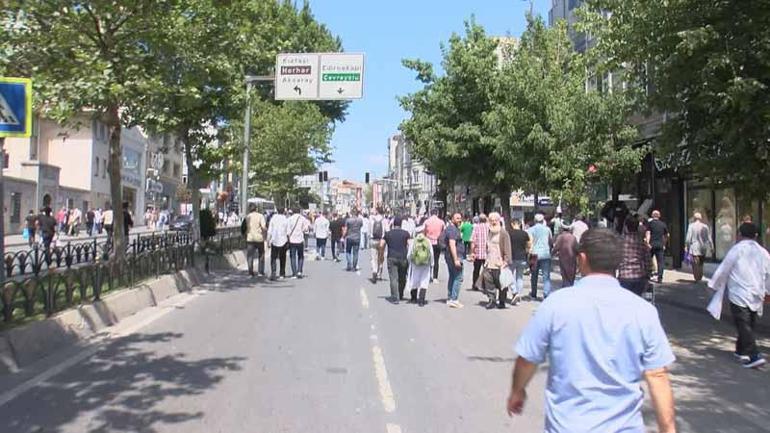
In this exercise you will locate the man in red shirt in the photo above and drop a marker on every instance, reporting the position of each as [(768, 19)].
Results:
[(434, 227)]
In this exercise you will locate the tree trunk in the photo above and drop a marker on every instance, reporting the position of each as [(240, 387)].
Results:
[(112, 118), (193, 185), (504, 192)]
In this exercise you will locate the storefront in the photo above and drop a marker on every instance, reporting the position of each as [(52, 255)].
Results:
[(723, 212)]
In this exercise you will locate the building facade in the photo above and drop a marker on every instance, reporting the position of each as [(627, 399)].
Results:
[(412, 187), (67, 166)]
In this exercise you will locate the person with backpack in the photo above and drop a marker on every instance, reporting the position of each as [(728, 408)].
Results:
[(376, 230), (420, 258)]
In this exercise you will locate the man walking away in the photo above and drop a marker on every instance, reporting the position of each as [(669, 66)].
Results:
[(128, 221), (31, 223), (255, 239), (298, 225), (98, 220), (420, 261), (657, 238), (636, 262), (467, 231), (351, 232), (498, 256), (698, 244), (479, 248), (335, 227), (566, 247), (397, 241), (745, 274), (453, 256), (434, 227), (540, 257), (278, 238), (90, 222), (46, 225), (579, 226), (376, 229), (520, 246), (109, 221), (600, 341), (321, 229)]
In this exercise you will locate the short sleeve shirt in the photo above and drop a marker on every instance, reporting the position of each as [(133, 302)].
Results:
[(452, 232), (599, 339), (541, 236), (467, 230), (519, 239), (354, 226), (658, 230), (397, 241)]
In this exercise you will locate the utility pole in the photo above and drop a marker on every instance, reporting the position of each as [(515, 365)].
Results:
[(250, 79)]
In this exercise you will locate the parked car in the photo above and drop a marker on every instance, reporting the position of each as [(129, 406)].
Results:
[(182, 223)]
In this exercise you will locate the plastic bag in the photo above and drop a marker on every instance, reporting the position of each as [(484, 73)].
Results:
[(506, 277), (25, 234)]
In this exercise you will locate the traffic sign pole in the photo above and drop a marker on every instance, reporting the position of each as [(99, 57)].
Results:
[(2, 212), (246, 146)]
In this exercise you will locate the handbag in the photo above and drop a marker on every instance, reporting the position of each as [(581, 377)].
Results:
[(533, 262)]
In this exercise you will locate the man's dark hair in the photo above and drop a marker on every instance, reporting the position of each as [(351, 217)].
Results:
[(125, 205), (47, 211), (602, 248), (397, 221), (632, 224), (434, 212), (748, 230), (516, 222)]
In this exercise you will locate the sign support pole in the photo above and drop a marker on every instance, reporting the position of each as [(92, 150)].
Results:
[(246, 145), (2, 212)]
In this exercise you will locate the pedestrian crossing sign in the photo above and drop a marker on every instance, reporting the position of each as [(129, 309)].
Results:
[(15, 107)]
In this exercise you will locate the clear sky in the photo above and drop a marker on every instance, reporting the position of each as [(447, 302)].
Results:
[(388, 31)]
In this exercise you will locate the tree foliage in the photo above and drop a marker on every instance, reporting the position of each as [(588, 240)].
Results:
[(705, 64), (518, 115)]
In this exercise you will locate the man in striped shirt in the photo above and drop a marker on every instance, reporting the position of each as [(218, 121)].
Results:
[(479, 247)]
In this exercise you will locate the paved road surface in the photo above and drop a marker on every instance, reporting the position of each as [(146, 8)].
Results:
[(330, 354)]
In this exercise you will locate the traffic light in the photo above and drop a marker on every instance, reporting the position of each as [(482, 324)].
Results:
[(320, 176), (326, 176), (367, 177)]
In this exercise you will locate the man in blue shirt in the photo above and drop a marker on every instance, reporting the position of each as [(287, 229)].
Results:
[(601, 341), (540, 255)]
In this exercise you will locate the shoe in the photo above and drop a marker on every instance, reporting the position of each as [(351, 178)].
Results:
[(273, 278), (754, 362), (421, 299), (456, 304), (491, 305), (413, 296), (293, 277), (261, 275), (741, 358), (373, 279), (503, 299), (516, 299), (300, 276)]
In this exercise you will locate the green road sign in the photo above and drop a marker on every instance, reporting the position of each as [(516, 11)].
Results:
[(341, 76)]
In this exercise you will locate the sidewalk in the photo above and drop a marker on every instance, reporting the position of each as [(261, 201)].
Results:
[(18, 240)]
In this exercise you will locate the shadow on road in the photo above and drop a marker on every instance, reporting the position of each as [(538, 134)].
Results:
[(713, 392), (121, 388)]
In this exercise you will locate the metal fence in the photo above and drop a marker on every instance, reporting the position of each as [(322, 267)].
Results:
[(78, 274)]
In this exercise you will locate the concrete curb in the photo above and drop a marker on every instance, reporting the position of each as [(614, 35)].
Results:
[(27, 344)]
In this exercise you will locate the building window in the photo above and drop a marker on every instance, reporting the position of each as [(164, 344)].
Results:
[(96, 171), (725, 223), (85, 206), (104, 169), (177, 170), (165, 167), (15, 208), (6, 159)]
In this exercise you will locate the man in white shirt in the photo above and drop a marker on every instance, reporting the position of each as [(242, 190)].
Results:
[(376, 228), (277, 237), (297, 226), (321, 229), (745, 273), (579, 227)]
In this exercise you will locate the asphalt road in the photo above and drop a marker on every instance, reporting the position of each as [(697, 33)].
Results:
[(329, 354)]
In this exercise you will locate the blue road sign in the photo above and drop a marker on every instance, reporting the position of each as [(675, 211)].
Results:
[(15, 107)]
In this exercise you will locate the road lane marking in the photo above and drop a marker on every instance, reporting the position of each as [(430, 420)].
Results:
[(392, 428), (386, 392), (364, 299)]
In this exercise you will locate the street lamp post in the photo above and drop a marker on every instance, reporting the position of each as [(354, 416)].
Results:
[(250, 79)]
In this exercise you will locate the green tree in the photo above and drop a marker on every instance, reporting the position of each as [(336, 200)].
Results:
[(705, 64), (96, 56)]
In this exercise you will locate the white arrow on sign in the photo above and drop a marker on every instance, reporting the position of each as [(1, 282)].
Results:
[(6, 114)]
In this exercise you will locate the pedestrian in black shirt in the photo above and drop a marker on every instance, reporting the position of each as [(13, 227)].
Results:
[(336, 231), (31, 222), (46, 225), (657, 239), (397, 241)]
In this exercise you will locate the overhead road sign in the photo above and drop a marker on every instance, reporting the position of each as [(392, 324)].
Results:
[(342, 76), (15, 107), (296, 77), (319, 76)]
